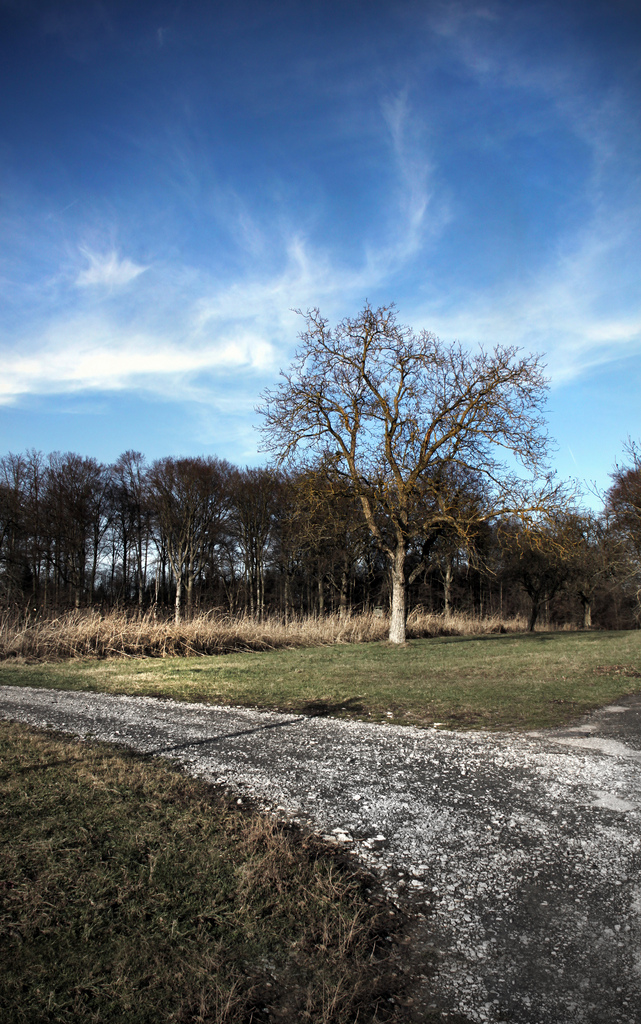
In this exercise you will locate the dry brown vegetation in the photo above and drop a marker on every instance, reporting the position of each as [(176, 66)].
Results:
[(91, 634), (155, 898)]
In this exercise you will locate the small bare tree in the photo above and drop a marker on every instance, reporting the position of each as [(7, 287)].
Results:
[(598, 558), (132, 516), (395, 413), (623, 506), (254, 498), (541, 559), (623, 500), (190, 500)]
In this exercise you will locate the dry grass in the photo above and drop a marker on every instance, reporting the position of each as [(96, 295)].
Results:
[(90, 634), (130, 892)]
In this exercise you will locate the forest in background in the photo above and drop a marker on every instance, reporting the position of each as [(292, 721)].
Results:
[(183, 536)]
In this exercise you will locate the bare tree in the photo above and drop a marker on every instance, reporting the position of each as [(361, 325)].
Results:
[(133, 515), (254, 498), (394, 412), (13, 473), (35, 493), (76, 502), (623, 505), (541, 559), (597, 559), (623, 499), (190, 497), (331, 534)]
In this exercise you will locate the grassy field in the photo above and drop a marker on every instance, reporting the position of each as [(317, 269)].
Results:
[(129, 892), (493, 681)]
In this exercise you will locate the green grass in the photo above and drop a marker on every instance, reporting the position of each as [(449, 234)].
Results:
[(492, 681), (129, 892)]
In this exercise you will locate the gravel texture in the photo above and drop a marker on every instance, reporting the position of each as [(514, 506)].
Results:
[(520, 853)]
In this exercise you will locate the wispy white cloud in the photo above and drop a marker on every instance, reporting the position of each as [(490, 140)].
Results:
[(493, 44), (416, 213), (309, 277), (107, 270), (182, 327), (580, 304), (567, 311), (183, 338), (85, 354)]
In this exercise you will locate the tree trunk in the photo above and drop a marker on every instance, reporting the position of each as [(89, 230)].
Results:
[(397, 621), (587, 613), (287, 596), (140, 573), (447, 588), (534, 613), (179, 585), (342, 608), (94, 573)]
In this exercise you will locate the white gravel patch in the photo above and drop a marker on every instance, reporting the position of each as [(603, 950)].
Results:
[(523, 854)]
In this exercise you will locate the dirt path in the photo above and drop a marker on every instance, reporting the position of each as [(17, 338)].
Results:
[(521, 851)]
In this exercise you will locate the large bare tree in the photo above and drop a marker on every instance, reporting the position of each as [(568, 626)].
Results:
[(396, 413)]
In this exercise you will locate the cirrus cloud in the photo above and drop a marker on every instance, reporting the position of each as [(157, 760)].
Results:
[(107, 269)]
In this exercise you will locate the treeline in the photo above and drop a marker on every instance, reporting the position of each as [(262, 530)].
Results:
[(182, 535)]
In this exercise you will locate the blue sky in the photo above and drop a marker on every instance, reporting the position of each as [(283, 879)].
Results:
[(175, 177)]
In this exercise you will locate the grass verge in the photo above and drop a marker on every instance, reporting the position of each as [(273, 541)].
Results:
[(494, 681), (130, 892)]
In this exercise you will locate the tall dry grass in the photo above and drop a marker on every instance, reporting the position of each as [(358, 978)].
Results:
[(90, 634)]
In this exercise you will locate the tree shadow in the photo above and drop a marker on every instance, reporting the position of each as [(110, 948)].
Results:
[(39, 767), (223, 736), (539, 637), (327, 708)]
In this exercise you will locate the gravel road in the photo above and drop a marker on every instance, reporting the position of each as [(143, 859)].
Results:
[(522, 851)]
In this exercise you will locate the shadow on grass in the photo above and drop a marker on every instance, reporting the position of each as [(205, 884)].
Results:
[(38, 767), (327, 708), (538, 637)]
